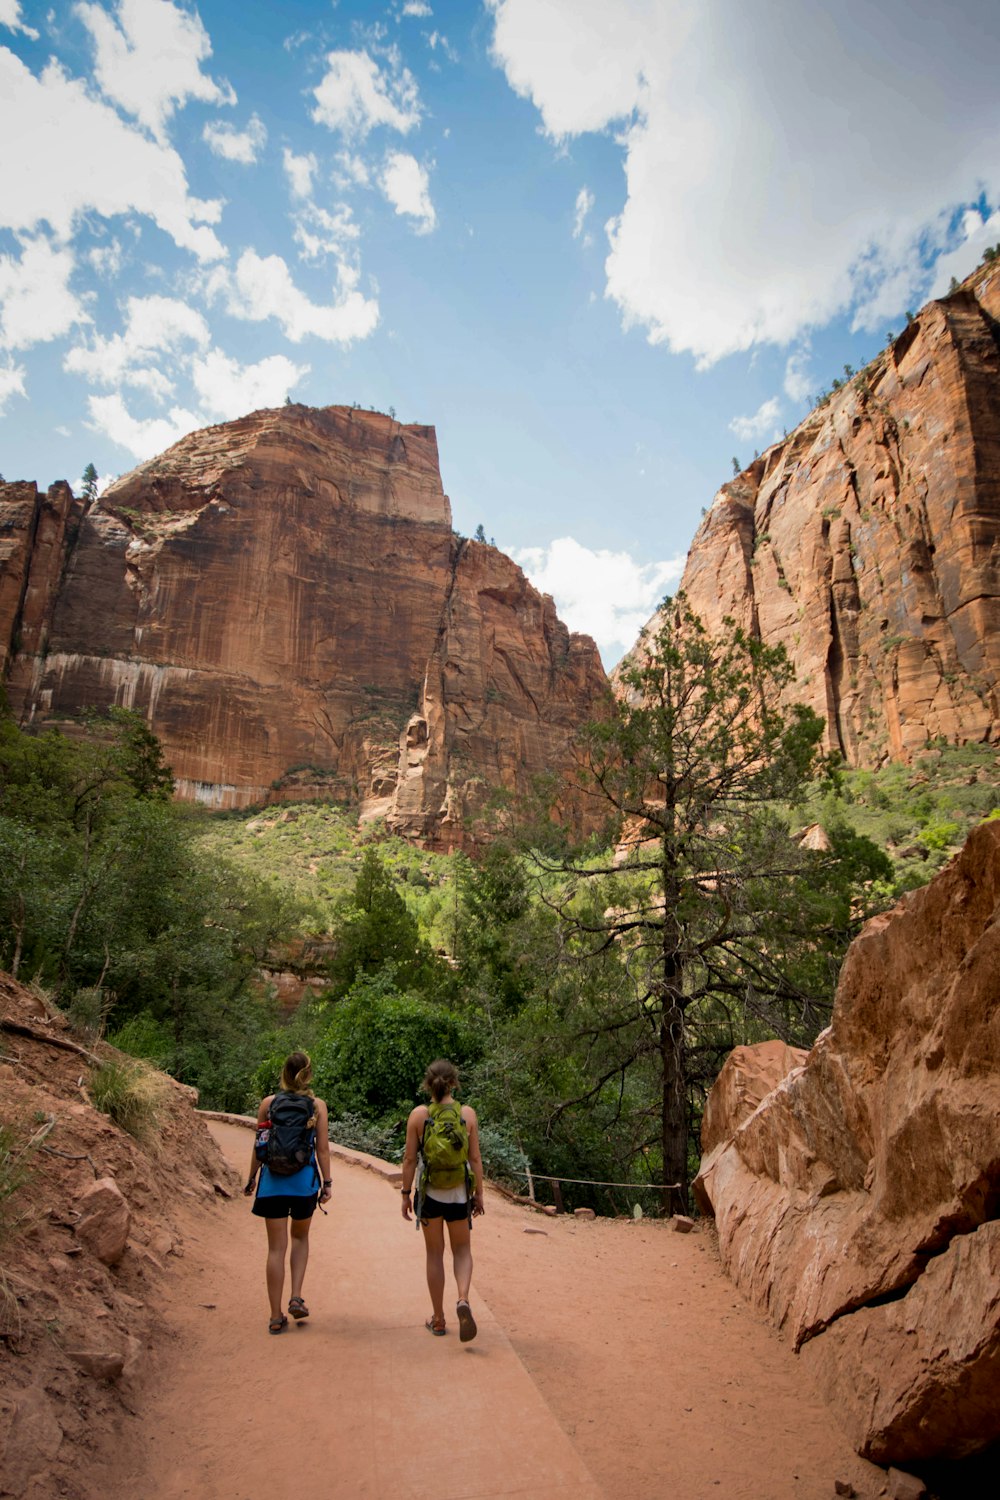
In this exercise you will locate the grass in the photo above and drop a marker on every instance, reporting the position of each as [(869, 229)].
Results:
[(15, 1169), (128, 1093)]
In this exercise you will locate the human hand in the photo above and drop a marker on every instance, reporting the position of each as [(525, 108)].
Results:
[(249, 1188), (478, 1206), (407, 1202), (326, 1193)]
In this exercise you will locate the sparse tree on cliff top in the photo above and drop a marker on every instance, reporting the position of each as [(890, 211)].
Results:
[(88, 483), (690, 763)]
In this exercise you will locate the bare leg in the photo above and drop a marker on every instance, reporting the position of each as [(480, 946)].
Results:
[(434, 1246), (300, 1254), (277, 1243), (461, 1256)]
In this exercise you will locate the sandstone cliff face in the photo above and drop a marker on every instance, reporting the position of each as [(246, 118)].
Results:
[(285, 601), (858, 1203), (868, 542)]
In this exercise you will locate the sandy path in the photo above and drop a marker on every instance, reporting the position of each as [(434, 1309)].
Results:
[(614, 1359)]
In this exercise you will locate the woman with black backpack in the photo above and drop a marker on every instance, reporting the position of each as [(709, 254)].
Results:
[(292, 1155), (442, 1155)]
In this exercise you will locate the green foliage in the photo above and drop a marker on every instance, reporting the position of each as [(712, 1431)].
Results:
[(371, 1054), (15, 1170), (127, 1093), (88, 483)]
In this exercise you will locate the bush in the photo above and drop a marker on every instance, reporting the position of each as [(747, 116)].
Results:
[(144, 1036), (503, 1159), (128, 1093)]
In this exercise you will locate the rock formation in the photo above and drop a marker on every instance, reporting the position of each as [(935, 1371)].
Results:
[(285, 601), (867, 543), (857, 1205)]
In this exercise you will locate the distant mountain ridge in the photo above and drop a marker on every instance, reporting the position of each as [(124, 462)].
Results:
[(283, 598), (867, 542)]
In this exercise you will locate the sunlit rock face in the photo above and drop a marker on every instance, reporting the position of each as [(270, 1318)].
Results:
[(867, 543), (857, 1204), (284, 599)]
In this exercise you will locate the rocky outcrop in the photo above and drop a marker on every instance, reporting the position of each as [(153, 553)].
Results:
[(867, 543), (284, 600), (857, 1205)]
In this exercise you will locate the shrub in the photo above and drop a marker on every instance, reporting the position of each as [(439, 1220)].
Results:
[(503, 1159), (128, 1093)]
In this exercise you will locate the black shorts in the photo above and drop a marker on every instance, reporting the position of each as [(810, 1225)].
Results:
[(283, 1204), (430, 1208)]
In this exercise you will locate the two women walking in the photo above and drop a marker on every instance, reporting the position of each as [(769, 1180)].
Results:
[(290, 1169)]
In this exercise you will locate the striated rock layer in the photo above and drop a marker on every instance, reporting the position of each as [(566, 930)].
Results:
[(284, 599), (858, 1204), (868, 542)]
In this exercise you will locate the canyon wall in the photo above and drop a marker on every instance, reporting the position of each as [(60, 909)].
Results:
[(867, 543), (858, 1202), (284, 600)]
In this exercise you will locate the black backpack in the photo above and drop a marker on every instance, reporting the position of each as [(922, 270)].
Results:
[(292, 1133)]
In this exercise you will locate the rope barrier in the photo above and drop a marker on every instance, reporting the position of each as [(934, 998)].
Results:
[(591, 1182)]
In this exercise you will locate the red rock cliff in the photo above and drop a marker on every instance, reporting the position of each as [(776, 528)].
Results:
[(285, 601), (868, 542)]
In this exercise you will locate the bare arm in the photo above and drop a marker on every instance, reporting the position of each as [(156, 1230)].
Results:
[(262, 1114), (414, 1132), (323, 1149), (475, 1161)]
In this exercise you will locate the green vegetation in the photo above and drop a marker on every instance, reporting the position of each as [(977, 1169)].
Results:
[(588, 996), (128, 1093)]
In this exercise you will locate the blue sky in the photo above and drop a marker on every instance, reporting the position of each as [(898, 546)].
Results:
[(603, 246)]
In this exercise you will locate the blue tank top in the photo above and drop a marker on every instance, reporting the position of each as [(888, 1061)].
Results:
[(302, 1184)]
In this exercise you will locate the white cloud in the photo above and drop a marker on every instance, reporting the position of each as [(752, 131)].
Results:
[(10, 16), (352, 170), (261, 287), (231, 144), (355, 95), (436, 39), (607, 595), (107, 259), (763, 424), (11, 383), (155, 327), (80, 155), (979, 234), (36, 303), (150, 61), (300, 171), (417, 8), (320, 234), (406, 185), (754, 213), (142, 437), (229, 389), (584, 204), (798, 377)]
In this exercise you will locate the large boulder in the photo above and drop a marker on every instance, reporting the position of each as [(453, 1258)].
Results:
[(105, 1220), (857, 1204)]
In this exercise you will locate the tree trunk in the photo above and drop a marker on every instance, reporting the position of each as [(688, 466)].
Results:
[(673, 1120)]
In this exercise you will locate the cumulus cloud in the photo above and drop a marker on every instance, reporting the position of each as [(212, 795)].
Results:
[(417, 8), (10, 16), (261, 287), (231, 144), (229, 389), (763, 424), (300, 171), (406, 185), (36, 301), (320, 234), (355, 95), (584, 204), (156, 328), (11, 383), (80, 155), (149, 59), (753, 213), (607, 595), (798, 377), (142, 437)]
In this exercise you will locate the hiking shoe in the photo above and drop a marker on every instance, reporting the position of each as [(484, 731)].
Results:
[(466, 1323)]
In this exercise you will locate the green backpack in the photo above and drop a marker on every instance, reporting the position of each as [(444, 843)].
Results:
[(445, 1147)]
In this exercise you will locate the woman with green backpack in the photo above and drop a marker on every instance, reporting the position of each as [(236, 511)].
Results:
[(442, 1156)]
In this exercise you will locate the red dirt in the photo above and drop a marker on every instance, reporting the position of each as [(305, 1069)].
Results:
[(614, 1359)]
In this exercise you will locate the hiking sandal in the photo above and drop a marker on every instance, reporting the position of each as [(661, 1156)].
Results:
[(438, 1329), (466, 1323), (277, 1325), (298, 1309)]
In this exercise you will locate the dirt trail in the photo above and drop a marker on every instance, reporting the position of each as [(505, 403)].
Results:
[(614, 1360)]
